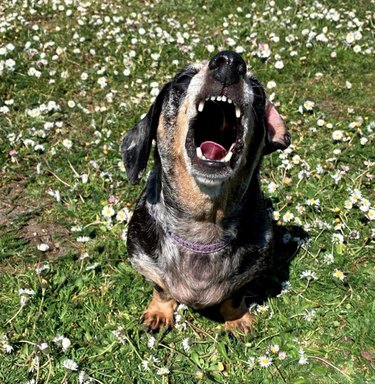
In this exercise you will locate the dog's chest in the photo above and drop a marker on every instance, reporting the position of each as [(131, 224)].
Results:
[(200, 280)]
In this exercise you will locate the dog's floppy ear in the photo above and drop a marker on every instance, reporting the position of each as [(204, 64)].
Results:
[(278, 136), (136, 145)]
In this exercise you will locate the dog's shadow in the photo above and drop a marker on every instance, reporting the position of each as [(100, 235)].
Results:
[(288, 240)]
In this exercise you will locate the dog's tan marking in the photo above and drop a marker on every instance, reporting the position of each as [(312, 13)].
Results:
[(237, 319), (159, 313), (191, 196)]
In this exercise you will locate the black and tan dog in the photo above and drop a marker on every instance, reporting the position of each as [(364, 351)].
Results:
[(200, 230)]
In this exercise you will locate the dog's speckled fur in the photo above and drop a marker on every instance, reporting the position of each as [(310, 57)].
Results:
[(202, 201)]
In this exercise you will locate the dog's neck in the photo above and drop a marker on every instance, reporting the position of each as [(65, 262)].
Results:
[(194, 214)]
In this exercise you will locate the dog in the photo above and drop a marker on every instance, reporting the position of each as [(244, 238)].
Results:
[(201, 229)]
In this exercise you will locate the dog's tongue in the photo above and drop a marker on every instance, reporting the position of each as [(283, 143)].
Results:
[(212, 150)]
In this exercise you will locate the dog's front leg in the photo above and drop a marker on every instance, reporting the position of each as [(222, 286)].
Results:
[(236, 315), (159, 313)]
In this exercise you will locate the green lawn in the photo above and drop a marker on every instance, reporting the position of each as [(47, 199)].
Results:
[(74, 76)]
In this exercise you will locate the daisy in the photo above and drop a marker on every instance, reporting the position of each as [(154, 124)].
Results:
[(309, 105), (67, 143), (279, 64), (199, 375), (338, 274), (328, 258), (309, 315), (186, 345), (371, 214), (121, 166), (65, 343), (108, 211), (303, 360), (288, 217), (163, 371), (151, 342), (44, 347), (8, 348), (43, 247), (70, 364), (337, 135), (274, 348), (309, 275), (271, 84), (272, 187), (350, 38), (122, 215), (83, 239), (264, 361)]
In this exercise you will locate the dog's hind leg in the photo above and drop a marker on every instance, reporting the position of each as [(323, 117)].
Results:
[(159, 313), (236, 315)]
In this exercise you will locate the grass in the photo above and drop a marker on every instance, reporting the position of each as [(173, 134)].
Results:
[(73, 78)]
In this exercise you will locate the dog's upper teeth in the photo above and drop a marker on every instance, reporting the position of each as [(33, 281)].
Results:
[(201, 106), (238, 112), (224, 99)]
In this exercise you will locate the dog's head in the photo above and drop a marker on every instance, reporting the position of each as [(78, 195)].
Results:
[(211, 121)]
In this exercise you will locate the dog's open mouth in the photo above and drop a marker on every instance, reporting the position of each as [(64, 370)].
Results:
[(217, 130)]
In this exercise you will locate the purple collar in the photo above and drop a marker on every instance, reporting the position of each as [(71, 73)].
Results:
[(194, 246), (198, 247)]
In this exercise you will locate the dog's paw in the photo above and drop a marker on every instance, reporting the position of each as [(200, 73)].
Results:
[(155, 320), (243, 325)]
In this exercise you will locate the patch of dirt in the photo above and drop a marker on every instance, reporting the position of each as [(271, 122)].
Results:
[(54, 235), (333, 107), (22, 215)]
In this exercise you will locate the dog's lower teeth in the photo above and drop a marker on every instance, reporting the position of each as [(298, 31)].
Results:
[(225, 159)]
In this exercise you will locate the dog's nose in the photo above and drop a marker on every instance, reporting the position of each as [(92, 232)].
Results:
[(227, 67)]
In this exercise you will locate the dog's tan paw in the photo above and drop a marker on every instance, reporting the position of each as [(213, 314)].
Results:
[(159, 313), (243, 325), (155, 320)]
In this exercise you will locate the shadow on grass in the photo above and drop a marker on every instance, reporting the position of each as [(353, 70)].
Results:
[(270, 284)]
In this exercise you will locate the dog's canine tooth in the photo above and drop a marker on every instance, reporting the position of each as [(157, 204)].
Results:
[(199, 153), (201, 106), (238, 112), (228, 156)]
